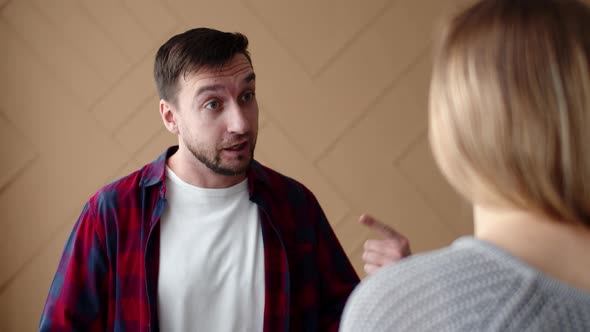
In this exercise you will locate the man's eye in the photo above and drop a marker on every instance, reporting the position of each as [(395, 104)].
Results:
[(212, 105), (248, 96)]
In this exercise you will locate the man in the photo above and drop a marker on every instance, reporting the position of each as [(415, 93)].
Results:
[(205, 238)]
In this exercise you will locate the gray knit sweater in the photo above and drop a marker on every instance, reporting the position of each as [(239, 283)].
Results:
[(470, 286)]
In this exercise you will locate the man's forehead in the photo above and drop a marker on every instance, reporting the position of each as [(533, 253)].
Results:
[(237, 67)]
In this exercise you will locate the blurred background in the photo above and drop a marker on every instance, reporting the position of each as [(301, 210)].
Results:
[(342, 88)]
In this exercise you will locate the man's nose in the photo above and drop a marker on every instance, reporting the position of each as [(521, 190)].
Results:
[(238, 120)]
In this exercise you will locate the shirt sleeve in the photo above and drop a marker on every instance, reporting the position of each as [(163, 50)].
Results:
[(337, 277), (77, 297)]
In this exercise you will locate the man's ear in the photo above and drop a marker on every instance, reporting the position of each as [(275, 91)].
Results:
[(169, 116)]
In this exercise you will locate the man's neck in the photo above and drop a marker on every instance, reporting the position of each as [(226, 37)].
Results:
[(197, 174), (557, 248)]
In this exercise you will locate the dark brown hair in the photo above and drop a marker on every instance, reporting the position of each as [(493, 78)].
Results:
[(190, 51)]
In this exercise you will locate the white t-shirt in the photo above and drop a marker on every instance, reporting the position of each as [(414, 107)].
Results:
[(211, 275)]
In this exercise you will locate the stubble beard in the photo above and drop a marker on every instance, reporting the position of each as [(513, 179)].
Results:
[(214, 163)]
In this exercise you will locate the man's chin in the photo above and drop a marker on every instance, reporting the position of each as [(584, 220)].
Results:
[(233, 170)]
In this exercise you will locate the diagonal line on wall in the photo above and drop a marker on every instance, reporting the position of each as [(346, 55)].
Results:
[(114, 85), (354, 122), (29, 162), (172, 11), (35, 254), (26, 45), (277, 39), (331, 59), (408, 148), (142, 26), (352, 40), (18, 174), (96, 22), (131, 156), (332, 186), (2, 5), (425, 199), (134, 17), (131, 115), (79, 53), (423, 196)]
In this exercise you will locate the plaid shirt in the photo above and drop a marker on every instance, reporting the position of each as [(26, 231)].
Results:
[(108, 274)]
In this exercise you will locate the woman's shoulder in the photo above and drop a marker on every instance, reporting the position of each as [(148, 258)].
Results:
[(426, 289), (469, 286)]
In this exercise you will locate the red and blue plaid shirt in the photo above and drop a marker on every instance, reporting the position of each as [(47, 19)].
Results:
[(108, 274)]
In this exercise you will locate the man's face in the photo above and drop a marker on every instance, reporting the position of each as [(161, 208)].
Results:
[(217, 116)]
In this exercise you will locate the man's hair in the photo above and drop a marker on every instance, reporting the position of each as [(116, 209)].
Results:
[(192, 50), (510, 105)]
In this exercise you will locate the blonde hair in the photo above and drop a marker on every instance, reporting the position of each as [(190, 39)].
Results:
[(510, 103)]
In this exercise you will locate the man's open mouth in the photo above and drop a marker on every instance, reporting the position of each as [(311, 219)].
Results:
[(237, 147)]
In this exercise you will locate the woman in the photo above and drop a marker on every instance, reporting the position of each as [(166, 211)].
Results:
[(510, 130)]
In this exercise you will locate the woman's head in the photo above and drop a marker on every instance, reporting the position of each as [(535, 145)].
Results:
[(510, 105)]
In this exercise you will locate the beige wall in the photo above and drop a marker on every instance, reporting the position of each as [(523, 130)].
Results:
[(342, 87)]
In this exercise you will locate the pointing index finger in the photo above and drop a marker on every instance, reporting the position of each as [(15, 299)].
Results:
[(381, 228)]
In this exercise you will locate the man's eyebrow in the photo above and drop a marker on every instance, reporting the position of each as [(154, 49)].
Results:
[(206, 88), (250, 78)]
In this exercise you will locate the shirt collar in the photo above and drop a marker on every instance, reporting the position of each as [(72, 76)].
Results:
[(155, 172)]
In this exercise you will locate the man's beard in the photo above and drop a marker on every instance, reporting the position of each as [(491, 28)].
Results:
[(214, 163)]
